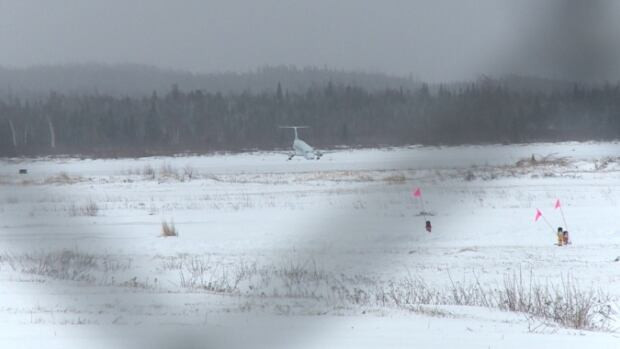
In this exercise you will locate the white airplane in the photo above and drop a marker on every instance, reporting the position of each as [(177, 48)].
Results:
[(301, 148)]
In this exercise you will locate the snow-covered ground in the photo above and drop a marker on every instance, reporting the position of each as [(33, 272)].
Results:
[(311, 254)]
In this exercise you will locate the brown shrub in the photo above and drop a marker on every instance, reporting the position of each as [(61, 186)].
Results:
[(168, 230)]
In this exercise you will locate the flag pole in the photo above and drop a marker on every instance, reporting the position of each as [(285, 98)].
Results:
[(539, 214), (418, 195), (549, 224), (563, 218), (558, 204)]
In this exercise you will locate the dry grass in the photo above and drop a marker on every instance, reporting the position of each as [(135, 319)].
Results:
[(148, 172), (395, 179), (62, 178), (168, 229), (66, 265), (563, 303), (166, 172), (469, 176), (547, 160), (90, 209), (605, 162), (188, 172)]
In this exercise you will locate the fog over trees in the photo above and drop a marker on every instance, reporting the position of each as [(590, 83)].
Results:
[(136, 80), (97, 110)]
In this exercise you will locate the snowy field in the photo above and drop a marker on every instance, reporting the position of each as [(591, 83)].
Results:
[(314, 254)]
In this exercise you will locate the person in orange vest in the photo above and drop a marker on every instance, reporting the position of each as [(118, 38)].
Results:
[(560, 236), (428, 226)]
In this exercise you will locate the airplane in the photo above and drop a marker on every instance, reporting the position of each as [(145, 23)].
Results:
[(301, 148)]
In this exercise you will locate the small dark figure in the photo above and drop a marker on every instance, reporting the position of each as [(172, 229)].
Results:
[(428, 226), (560, 236), (23, 171), (565, 238)]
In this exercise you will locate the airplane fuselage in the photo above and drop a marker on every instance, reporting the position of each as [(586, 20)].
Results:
[(302, 148)]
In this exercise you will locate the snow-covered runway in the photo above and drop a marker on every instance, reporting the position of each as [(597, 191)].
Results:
[(305, 242)]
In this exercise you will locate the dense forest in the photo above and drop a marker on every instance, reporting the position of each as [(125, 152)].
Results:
[(486, 111)]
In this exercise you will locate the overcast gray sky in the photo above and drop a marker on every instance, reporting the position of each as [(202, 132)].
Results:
[(435, 40)]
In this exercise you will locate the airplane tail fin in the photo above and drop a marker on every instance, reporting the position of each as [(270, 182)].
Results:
[(295, 129)]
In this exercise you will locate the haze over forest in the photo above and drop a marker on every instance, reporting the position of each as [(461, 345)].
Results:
[(137, 80)]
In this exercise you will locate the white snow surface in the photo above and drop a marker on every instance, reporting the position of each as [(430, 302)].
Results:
[(350, 216)]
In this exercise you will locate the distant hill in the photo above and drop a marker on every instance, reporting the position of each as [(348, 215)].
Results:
[(135, 80), (140, 80)]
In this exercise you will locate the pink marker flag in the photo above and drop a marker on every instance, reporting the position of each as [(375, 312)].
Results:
[(538, 215), (557, 204), (417, 193)]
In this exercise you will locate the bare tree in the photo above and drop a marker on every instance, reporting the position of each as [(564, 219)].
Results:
[(13, 133), (25, 134), (52, 132)]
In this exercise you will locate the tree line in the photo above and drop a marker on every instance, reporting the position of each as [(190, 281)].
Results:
[(338, 114)]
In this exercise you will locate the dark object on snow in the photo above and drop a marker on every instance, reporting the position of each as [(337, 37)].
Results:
[(560, 236), (428, 226), (565, 238), (617, 259), (23, 171)]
